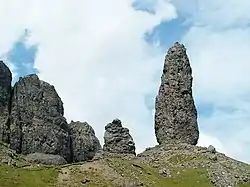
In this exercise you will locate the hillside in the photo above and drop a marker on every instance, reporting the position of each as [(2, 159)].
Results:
[(178, 166)]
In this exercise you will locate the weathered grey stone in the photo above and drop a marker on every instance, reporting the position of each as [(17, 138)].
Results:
[(5, 95), (84, 143), (117, 139), (47, 159), (211, 149), (37, 122), (176, 115)]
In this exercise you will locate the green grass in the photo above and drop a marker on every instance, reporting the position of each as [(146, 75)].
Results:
[(179, 159), (150, 177), (94, 179), (244, 185), (130, 171), (20, 177)]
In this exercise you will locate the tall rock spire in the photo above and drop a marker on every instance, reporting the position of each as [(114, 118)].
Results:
[(176, 114)]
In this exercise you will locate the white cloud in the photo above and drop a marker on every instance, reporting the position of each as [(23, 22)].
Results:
[(95, 54), (220, 62), (218, 45), (205, 140)]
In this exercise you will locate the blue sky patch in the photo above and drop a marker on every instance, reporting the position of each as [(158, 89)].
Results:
[(22, 56), (167, 33), (145, 5)]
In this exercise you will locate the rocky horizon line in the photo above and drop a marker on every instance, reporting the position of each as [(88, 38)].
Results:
[(32, 115)]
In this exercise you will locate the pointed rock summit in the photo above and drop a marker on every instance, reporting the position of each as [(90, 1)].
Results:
[(176, 114), (117, 139)]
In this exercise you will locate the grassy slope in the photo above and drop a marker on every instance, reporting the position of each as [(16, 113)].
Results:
[(128, 171), (141, 174), (34, 177), (108, 172)]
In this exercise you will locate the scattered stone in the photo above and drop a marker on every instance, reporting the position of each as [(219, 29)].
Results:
[(211, 149), (176, 115), (84, 143), (213, 158), (37, 122), (117, 139), (47, 159)]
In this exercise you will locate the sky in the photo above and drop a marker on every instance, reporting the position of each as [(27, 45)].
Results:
[(105, 59)]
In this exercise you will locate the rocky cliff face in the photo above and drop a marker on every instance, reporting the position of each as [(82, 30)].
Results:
[(117, 139), (84, 142), (5, 93), (37, 122), (176, 115), (31, 120)]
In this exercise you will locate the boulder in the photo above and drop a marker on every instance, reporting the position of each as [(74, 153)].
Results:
[(46, 159), (84, 143), (211, 149)]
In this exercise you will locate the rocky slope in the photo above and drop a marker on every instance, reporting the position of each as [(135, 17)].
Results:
[(161, 166), (37, 143)]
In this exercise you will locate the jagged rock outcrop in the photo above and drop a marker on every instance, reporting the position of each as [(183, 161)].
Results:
[(84, 143), (117, 139), (31, 121), (5, 95), (176, 115), (37, 122)]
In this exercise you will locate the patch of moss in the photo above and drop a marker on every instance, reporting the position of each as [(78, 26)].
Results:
[(179, 159), (33, 177)]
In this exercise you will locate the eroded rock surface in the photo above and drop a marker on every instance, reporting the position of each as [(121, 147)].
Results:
[(5, 95), (84, 143), (37, 122), (176, 115), (47, 159), (117, 139)]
